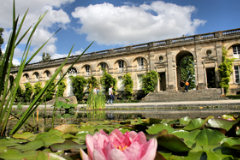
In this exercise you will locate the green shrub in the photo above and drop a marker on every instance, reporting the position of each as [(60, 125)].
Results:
[(225, 70), (48, 95), (92, 83), (28, 92), (19, 94), (107, 81), (60, 89), (150, 82), (37, 89), (78, 83), (128, 86)]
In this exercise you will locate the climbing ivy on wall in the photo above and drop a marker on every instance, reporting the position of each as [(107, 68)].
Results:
[(61, 88), (107, 81), (150, 82), (37, 88), (225, 70), (187, 70), (28, 92), (92, 83), (128, 86), (78, 84)]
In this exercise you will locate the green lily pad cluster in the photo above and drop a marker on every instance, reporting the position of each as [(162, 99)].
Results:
[(185, 138), (203, 139)]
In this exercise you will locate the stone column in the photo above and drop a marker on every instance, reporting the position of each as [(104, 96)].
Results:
[(219, 60), (151, 60), (171, 72), (201, 80)]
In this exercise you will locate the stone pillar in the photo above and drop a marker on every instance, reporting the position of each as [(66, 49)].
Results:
[(201, 80), (69, 87), (151, 60), (171, 72), (219, 60)]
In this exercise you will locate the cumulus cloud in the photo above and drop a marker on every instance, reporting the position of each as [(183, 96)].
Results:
[(55, 16), (126, 24)]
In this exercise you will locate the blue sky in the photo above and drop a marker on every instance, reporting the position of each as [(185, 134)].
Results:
[(117, 23)]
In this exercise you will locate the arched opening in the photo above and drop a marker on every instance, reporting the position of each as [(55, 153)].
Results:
[(47, 73), (36, 75), (121, 65), (26, 76), (87, 70), (103, 67), (72, 70), (185, 70)]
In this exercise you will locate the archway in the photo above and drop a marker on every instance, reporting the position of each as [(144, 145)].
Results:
[(185, 70)]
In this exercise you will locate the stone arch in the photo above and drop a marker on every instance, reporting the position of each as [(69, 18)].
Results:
[(36, 75), (120, 65), (72, 70), (47, 74), (103, 65), (87, 70), (26, 76), (141, 62), (235, 49), (189, 74)]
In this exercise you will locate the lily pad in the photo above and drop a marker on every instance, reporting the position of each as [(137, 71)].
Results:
[(188, 137), (233, 143), (156, 128), (26, 135), (51, 137), (194, 124), (67, 128), (221, 123), (171, 142), (67, 145), (184, 121)]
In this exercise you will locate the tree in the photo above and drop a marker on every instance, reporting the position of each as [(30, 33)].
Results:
[(107, 81), (225, 70), (28, 92), (78, 83), (45, 57), (1, 41), (60, 89), (150, 82), (19, 94), (187, 70), (128, 86)]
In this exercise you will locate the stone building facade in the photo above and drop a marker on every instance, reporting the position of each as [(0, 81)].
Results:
[(162, 56)]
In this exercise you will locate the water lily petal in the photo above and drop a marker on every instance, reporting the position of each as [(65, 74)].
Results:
[(133, 152), (98, 155), (83, 155), (149, 150), (90, 146), (116, 154), (116, 137)]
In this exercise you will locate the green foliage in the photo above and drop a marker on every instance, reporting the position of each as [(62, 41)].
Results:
[(150, 82), (60, 89), (78, 83), (107, 81), (1, 41), (128, 86), (28, 92), (92, 83), (225, 70), (37, 89), (48, 95), (19, 94), (187, 70), (96, 101)]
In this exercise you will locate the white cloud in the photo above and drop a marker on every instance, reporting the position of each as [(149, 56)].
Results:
[(55, 16), (109, 24)]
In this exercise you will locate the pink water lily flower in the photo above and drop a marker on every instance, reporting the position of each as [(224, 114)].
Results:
[(118, 146)]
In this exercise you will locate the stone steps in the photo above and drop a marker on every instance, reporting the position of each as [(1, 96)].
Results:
[(191, 95)]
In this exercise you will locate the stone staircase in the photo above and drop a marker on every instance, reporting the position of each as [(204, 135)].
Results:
[(191, 95)]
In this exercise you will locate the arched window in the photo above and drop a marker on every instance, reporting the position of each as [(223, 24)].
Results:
[(72, 71), (87, 69), (236, 49), (140, 61), (36, 74), (26, 76), (48, 74)]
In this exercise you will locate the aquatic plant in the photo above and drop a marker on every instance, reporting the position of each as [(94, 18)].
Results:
[(118, 146), (7, 91)]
